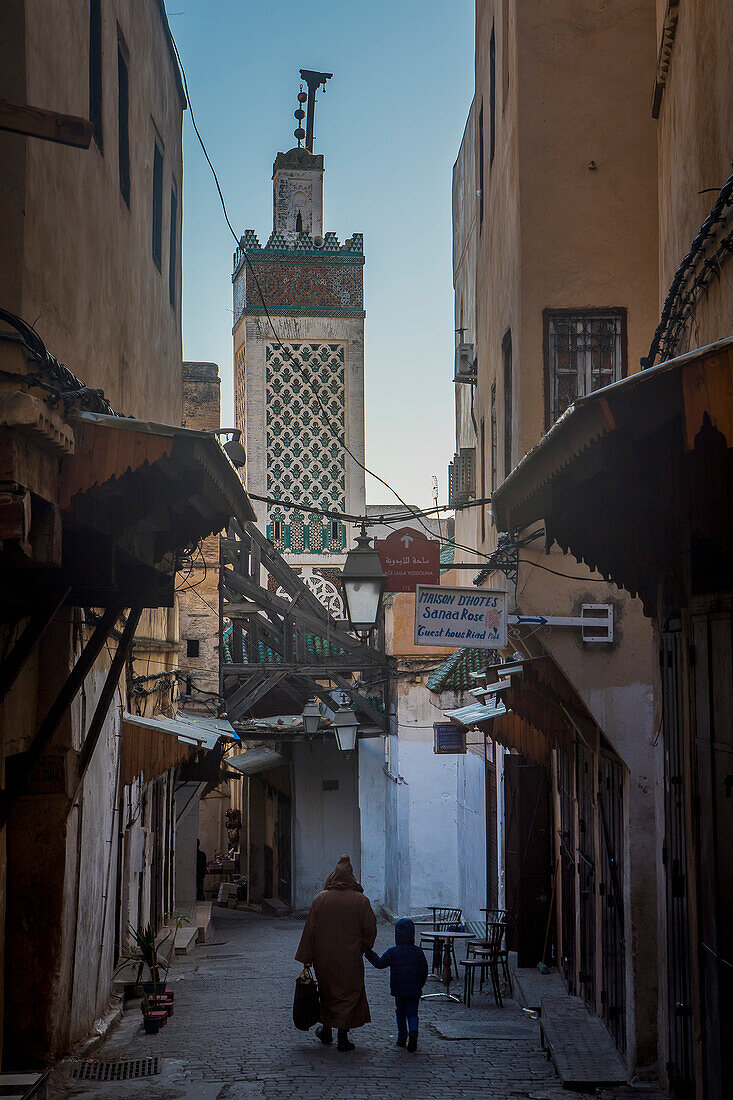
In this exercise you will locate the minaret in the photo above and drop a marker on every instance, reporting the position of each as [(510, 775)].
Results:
[(299, 390)]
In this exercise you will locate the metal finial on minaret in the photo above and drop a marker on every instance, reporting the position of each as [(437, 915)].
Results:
[(314, 81), (299, 132)]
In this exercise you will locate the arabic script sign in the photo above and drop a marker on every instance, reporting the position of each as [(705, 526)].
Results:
[(460, 617), (408, 558)]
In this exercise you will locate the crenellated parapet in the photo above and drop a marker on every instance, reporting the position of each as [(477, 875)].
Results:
[(352, 250), (317, 276)]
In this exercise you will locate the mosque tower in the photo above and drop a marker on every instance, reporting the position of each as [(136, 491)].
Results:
[(299, 365)]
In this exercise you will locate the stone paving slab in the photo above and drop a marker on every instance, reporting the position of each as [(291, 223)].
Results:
[(530, 986), (490, 1030), (232, 1038), (581, 1048)]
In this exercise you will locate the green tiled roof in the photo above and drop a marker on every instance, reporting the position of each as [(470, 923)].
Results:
[(314, 644), (454, 674), (447, 555)]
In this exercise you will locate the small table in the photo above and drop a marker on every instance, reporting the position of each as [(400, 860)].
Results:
[(447, 939)]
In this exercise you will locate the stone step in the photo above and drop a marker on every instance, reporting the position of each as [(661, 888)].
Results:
[(275, 907), (202, 920), (185, 941), (23, 1086), (582, 1051), (530, 986)]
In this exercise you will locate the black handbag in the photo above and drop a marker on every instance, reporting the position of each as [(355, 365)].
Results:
[(306, 1002)]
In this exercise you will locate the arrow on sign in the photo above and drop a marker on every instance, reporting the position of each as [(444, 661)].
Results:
[(407, 539), (532, 620)]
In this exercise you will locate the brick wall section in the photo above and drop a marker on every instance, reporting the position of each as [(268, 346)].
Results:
[(198, 596)]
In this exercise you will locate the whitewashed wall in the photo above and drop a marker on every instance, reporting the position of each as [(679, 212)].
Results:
[(422, 817), (325, 823)]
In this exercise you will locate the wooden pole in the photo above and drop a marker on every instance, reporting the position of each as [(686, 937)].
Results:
[(61, 703)]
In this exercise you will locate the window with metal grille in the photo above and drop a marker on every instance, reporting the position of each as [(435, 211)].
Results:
[(192, 647), (584, 352)]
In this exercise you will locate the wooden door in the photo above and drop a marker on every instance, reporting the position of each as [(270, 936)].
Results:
[(566, 869), (284, 822), (157, 862), (528, 870), (611, 890), (584, 787), (711, 674), (679, 1039)]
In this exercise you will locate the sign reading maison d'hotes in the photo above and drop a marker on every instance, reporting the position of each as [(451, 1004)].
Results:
[(460, 617)]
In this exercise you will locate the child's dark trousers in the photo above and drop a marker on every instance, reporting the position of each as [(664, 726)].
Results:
[(406, 1011)]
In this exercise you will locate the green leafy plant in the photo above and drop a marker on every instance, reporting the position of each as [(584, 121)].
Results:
[(146, 950)]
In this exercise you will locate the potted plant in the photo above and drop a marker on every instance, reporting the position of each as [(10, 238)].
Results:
[(151, 1017), (146, 951)]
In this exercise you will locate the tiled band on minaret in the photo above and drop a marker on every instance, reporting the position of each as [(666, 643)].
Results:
[(299, 390)]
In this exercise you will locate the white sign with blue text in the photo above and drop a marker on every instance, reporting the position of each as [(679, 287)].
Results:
[(460, 617)]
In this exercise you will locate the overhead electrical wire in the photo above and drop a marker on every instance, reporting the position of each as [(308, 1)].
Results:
[(286, 351), (416, 513)]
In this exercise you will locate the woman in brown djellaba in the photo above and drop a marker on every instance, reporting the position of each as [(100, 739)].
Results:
[(340, 928)]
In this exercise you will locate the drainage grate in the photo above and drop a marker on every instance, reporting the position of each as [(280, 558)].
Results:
[(116, 1071)]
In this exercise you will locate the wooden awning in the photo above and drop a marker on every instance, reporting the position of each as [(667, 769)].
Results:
[(133, 495), (542, 710), (637, 476), (152, 745)]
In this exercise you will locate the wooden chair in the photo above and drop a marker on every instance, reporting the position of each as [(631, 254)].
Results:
[(494, 916)]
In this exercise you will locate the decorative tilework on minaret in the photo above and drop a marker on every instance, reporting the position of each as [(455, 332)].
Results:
[(312, 286)]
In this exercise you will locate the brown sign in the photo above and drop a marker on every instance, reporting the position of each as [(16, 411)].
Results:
[(409, 558)]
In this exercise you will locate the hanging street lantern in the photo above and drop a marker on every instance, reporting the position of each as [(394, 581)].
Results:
[(311, 717), (345, 726), (364, 582)]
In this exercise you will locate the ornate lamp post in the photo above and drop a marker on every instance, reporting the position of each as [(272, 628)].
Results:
[(363, 583), (345, 726)]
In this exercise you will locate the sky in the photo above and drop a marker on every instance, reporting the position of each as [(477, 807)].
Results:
[(389, 125)]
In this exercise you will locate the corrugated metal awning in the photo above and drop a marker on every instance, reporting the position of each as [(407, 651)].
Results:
[(204, 732), (258, 759), (475, 713)]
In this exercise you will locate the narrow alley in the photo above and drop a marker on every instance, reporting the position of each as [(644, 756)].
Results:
[(231, 1036)]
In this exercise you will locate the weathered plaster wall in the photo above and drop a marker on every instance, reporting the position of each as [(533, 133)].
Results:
[(570, 221), (465, 241), (325, 822), (373, 796), (87, 276), (435, 830), (695, 132), (499, 258), (198, 584), (588, 234)]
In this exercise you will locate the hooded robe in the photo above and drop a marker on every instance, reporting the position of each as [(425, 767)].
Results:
[(340, 928)]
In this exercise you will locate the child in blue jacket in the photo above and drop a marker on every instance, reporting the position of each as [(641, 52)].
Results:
[(408, 972)]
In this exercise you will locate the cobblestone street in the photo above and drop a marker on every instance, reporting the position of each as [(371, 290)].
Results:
[(232, 1036)]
